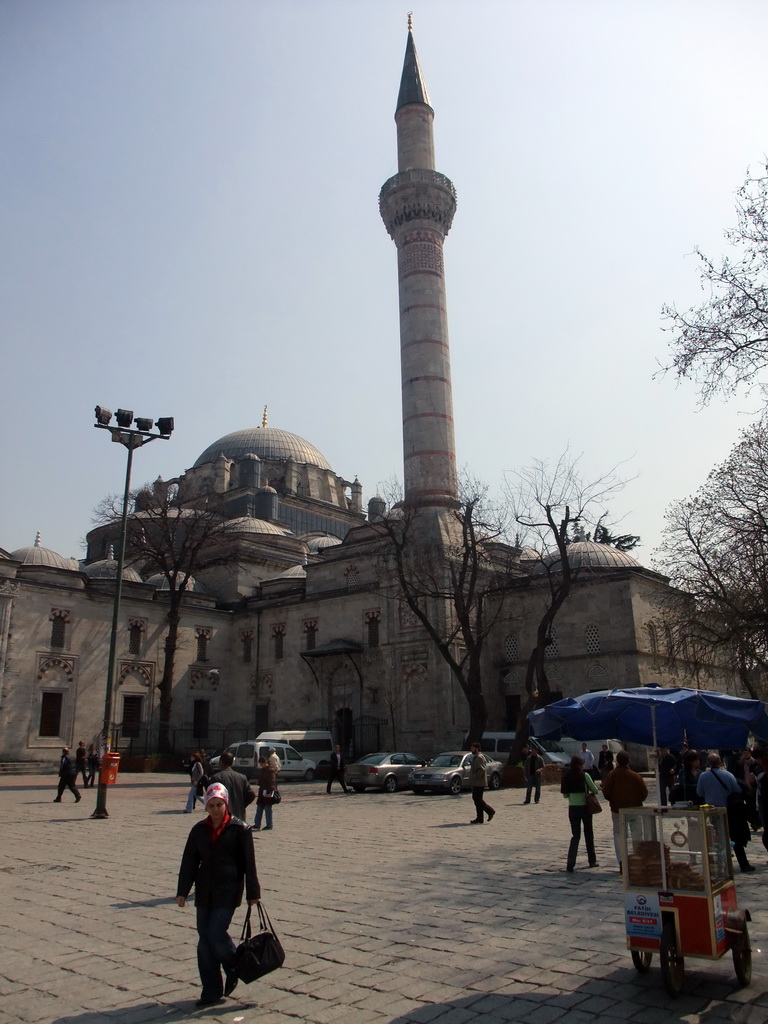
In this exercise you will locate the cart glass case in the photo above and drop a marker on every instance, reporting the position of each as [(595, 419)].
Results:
[(695, 847)]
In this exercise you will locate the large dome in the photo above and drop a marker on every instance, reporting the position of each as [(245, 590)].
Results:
[(266, 443)]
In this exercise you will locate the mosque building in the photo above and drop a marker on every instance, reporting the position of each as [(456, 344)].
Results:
[(304, 630)]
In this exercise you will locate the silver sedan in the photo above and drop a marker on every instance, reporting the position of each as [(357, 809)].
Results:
[(449, 772), (382, 771)]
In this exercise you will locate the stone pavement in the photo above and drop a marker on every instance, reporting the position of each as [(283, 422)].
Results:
[(392, 910)]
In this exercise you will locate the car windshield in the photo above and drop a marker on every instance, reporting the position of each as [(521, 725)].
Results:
[(446, 760), (373, 759)]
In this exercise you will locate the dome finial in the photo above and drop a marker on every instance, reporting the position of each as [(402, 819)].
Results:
[(264, 417), (410, 21), (38, 540)]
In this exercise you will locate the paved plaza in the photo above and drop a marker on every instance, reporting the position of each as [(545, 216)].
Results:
[(392, 910)]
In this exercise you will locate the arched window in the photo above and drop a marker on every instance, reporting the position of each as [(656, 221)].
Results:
[(510, 648), (203, 638), (550, 650), (592, 639), (310, 633), (372, 624), (278, 638), (246, 638), (135, 629), (59, 618)]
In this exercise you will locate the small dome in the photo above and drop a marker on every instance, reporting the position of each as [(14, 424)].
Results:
[(160, 582), (297, 571), (106, 569), (587, 554), (38, 555), (267, 443), (316, 544), (249, 524)]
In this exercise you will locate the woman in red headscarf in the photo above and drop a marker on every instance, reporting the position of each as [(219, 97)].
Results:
[(218, 860)]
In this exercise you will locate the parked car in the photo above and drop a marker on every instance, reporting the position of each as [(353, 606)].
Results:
[(501, 743), (186, 761), (449, 772), (382, 771), (248, 752)]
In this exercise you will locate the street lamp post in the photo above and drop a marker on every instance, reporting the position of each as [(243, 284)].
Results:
[(131, 438)]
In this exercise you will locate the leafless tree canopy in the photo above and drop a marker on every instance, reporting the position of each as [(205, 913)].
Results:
[(179, 535), (715, 550), (548, 501), (723, 343)]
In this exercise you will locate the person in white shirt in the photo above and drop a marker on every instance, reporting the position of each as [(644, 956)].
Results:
[(587, 757)]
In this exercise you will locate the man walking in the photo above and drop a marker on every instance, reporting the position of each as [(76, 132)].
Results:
[(715, 787), (623, 788), (237, 785), (67, 776), (534, 766), (477, 781), (337, 769), (667, 774), (81, 763)]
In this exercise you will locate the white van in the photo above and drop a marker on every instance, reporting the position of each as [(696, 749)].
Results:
[(316, 744), (500, 744), (248, 752), (573, 747)]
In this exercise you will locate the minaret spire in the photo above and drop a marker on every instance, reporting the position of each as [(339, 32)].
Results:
[(417, 206)]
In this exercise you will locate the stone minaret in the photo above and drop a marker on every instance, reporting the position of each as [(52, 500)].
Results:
[(417, 206)]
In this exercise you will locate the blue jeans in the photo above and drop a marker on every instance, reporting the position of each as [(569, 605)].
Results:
[(192, 795), (267, 810), (215, 948)]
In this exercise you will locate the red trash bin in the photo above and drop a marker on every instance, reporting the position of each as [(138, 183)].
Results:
[(110, 765)]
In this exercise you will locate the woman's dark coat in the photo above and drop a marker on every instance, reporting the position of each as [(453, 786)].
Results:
[(217, 870)]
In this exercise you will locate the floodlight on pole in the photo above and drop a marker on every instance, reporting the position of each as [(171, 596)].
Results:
[(131, 439)]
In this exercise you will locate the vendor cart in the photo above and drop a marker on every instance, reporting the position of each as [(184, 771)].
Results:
[(679, 894)]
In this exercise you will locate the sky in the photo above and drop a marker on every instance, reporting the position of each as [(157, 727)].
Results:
[(189, 227)]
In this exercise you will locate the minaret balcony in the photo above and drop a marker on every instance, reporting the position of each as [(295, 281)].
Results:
[(417, 194)]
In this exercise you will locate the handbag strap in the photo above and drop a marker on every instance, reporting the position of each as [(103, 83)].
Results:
[(264, 921)]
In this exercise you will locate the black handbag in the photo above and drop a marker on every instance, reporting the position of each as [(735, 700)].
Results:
[(259, 954)]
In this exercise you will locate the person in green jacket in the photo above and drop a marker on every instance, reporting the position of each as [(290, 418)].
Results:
[(575, 785)]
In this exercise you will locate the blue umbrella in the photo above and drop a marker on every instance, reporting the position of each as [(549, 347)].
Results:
[(655, 716)]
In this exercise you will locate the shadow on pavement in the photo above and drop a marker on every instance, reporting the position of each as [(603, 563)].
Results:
[(158, 901), (617, 995), (142, 1013)]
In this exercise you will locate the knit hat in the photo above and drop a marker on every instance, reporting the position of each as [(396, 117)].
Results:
[(216, 792)]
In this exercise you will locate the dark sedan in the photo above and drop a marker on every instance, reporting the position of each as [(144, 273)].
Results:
[(387, 771)]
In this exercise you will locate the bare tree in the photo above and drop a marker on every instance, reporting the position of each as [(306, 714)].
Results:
[(715, 550), (446, 566), (179, 535), (723, 343), (547, 501)]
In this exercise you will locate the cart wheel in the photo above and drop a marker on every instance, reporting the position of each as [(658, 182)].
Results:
[(742, 957), (672, 963), (641, 958)]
